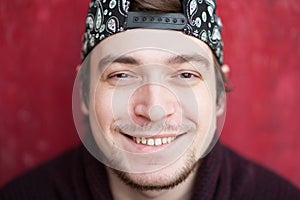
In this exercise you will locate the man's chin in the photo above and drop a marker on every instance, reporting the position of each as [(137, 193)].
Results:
[(160, 180)]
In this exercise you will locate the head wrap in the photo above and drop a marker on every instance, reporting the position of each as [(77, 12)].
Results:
[(198, 19)]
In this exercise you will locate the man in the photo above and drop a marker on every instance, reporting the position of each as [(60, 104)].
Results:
[(151, 89)]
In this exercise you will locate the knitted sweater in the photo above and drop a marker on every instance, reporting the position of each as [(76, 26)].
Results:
[(76, 174)]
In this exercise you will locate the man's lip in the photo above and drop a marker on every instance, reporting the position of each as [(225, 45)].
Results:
[(156, 140), (153, 136), (150, 146)]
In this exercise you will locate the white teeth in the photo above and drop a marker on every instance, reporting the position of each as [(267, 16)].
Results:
[(153, 141), (150, 142), (138, 140), (144, 141), (157, 141), (164, 140)]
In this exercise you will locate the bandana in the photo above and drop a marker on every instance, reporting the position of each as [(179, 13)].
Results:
[(198, 19)]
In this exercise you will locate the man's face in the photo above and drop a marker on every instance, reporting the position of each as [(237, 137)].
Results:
[(152, 104)]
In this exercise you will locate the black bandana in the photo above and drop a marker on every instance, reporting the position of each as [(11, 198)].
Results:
[(198, 19)]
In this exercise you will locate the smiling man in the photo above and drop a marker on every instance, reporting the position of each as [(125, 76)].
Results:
[(151, 88), (151, 108)]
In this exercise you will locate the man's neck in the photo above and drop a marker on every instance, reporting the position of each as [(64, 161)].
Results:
[(122, 191)]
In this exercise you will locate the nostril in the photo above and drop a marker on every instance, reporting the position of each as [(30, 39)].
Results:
[(156, 113)]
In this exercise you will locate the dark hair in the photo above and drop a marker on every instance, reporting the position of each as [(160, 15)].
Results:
[(155, 5), (152, 6)]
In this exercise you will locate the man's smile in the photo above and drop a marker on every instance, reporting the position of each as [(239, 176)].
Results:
[(157, 141), (148, 143)]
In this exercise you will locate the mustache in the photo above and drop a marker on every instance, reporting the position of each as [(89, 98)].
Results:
[(151, 128)]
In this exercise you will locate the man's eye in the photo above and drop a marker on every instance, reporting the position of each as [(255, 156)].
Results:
[(119, 76), (187, 75)]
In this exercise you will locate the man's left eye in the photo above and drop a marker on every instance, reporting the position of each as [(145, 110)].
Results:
[(187, 75)]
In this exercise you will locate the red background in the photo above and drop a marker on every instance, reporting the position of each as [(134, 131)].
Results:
[(40, 45)]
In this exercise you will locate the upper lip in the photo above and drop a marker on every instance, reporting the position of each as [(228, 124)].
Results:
[(160, 135), (155, 133)]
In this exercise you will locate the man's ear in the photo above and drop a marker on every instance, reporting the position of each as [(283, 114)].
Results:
[(226, 71), (222, 97), (84, 107)]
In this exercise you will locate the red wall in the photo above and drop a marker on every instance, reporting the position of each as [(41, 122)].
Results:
[(40, 48)]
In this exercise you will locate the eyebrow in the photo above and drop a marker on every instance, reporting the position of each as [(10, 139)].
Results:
[(118, 59), (178, 59)]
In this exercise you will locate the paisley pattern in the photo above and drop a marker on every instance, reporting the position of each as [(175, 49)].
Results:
[(211, 26), (107, 17), (112, 24), (193, 7)]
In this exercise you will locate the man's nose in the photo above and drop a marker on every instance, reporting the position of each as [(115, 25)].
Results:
[(152, 103)]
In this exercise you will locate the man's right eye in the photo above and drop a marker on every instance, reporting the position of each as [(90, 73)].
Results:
[(119, 76)]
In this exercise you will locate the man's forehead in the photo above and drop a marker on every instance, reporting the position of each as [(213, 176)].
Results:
[(143, 43)]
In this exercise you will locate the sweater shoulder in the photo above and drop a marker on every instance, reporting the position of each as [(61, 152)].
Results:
[(46, 180), (250, 179)]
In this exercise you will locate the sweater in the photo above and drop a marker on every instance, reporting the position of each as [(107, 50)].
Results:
[(222, 175)]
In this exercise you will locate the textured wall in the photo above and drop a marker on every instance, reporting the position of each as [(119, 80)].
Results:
[(40, 47)]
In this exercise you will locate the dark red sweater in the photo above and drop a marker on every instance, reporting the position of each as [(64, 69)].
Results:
[(77, 175)]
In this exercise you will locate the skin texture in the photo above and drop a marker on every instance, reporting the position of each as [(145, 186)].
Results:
[(152, 89)]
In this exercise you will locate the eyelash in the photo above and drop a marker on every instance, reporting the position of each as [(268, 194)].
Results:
[(118, 75), (126, 77), (188, 75), (181, 75)]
